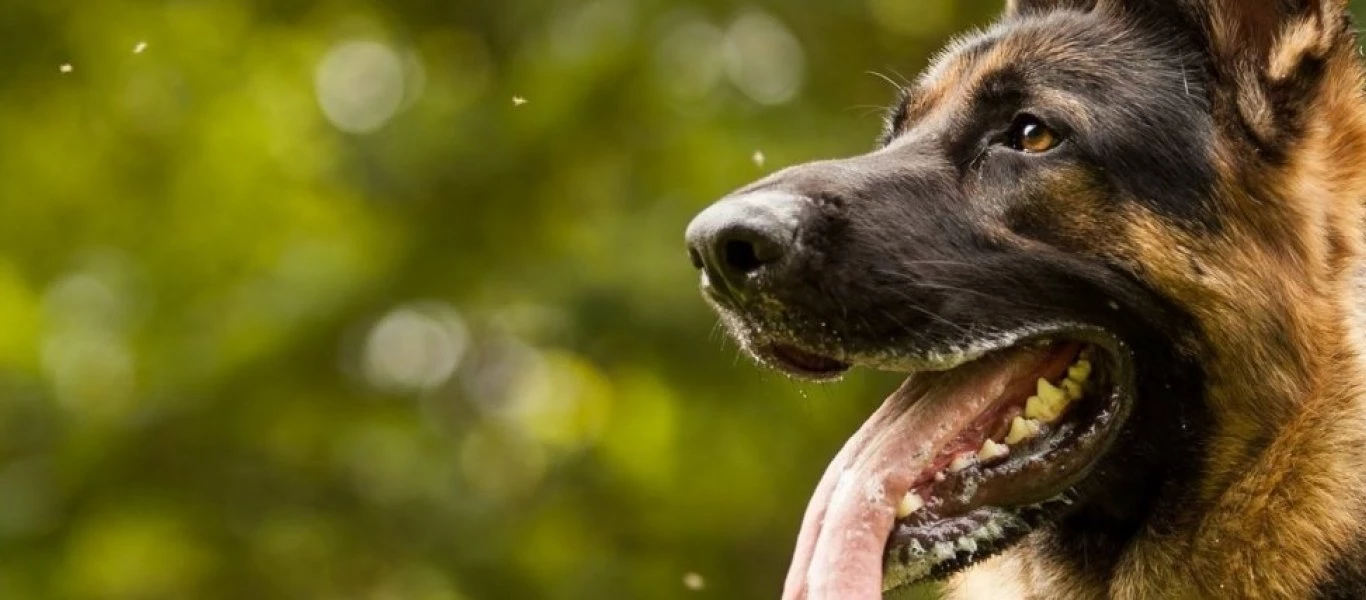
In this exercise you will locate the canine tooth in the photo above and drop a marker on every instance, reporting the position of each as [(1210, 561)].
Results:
[(1072, 388), (967, 545), (1080, 371), (939, 477), (992, 451), (910, 503), (960, 462), (1022, 429), (1051, 393)]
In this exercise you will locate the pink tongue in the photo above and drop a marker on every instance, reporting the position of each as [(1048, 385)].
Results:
[(851, 515)]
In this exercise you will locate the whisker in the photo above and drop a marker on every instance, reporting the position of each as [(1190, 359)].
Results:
[(868, 110), (908, 280), (905, 81), (715, 334), (921, 263), (896, 86), (931, 314), (876, 107)]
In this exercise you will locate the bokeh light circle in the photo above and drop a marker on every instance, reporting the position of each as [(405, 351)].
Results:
[(763, 59), (414, 348), (360, 85)]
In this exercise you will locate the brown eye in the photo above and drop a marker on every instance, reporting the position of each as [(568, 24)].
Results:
[(1029, 134)]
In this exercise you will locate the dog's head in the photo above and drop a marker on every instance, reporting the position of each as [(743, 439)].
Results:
[(1074, 219)]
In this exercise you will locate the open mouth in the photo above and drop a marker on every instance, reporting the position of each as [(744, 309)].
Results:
[(959, 463)]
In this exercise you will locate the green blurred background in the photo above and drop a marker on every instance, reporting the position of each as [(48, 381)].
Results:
[(388, 300)]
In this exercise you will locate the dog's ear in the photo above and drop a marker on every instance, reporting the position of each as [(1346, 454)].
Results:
[(1021, 7), (1273, 53), (1278, 36)]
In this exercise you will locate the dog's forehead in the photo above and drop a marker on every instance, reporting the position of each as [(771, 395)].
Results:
[(1046, 56), (1133, 96), (1081, 45)]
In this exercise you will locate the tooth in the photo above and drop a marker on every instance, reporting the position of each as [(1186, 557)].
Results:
[(943, 551), (1049, 404), (1072, 388), (1022, 429), (910, 503), (1051, 393), (939, 477), (1043, 410), (960, 462), (1080, 371), (991, 451), (967, 545), (993, 530)]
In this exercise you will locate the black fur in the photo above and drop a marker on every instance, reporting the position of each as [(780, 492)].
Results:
[(944, 234)]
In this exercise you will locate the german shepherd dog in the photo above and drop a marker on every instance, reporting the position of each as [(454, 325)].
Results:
[(1117, 245)]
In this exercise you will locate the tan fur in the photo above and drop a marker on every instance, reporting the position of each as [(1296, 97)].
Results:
[(1301, 38), (1278, 298)]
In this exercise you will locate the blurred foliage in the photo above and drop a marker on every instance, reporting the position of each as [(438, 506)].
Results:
[(387, 300)]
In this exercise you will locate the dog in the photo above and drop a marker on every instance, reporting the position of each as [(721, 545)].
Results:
[(1117, 246)]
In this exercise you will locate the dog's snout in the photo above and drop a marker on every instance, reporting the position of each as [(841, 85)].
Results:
[(737, 238)]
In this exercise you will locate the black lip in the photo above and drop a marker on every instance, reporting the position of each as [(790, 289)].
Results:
[(779, 354), (795, 361)]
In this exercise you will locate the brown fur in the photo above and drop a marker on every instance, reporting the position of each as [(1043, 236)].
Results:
[(1203, 206), (1276, 294)]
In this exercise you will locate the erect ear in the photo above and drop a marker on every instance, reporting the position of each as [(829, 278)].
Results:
[(1277, 35), (1274, 53), (1019, 7)]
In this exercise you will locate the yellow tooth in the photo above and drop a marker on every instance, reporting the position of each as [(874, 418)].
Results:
[(991, 451), (1051, 393), (1072, 389), (1038, 408), (1022, 429), (960, 462), (910, 503), (1035, 408), (1079, 372)]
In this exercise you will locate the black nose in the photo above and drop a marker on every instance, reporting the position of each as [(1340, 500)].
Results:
[(739, 237)]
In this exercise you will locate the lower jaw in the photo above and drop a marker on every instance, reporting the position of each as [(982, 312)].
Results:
[(965, 516), (925, 554)]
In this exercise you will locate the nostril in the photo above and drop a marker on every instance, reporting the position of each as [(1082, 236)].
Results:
[(742, 256), (746, 254), (736, 239)]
